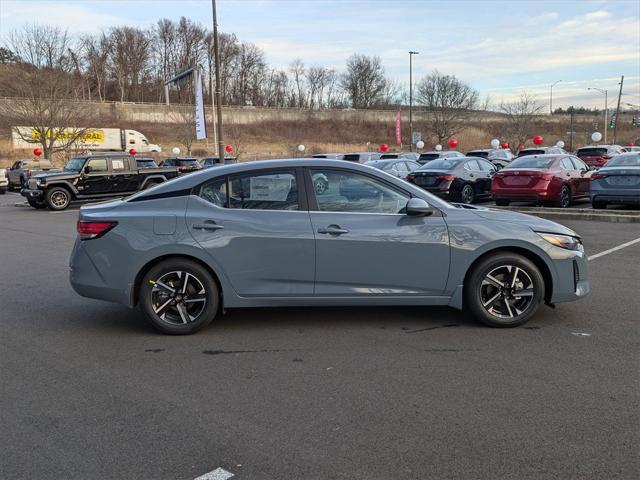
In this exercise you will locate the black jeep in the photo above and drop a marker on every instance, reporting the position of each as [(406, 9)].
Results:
[(93, 177)]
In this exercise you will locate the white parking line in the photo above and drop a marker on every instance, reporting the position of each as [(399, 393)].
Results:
[(614, 249), (217, 474)]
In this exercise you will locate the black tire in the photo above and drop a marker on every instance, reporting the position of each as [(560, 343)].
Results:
[(502, 203), (467, 194), (507, 309), (171, 319), (3, 190), (38, 204), (150, 184), (58, 198), (599, 204), (565, 197)]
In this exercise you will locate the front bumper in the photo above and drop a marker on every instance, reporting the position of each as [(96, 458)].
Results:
[(572, 275), (32, 193)]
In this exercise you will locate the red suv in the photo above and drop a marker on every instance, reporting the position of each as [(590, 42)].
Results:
[(557, 179), (597, 156)]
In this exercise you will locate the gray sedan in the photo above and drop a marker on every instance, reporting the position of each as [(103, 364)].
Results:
[(618, 182), (398, 168), (258, 235)]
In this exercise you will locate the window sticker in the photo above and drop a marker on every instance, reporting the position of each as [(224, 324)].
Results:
[(273, 188), (118, 164)]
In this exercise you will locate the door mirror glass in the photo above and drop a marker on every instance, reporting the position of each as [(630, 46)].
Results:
[(418, 207)]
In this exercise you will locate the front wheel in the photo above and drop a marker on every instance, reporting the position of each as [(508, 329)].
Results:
[(179, 297), (504, 290), (58, 198)]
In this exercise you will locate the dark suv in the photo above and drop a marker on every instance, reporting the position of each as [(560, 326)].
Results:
[(183, 164), (93, 177)]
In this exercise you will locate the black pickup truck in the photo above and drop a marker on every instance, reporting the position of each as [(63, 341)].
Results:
[(93, 177)]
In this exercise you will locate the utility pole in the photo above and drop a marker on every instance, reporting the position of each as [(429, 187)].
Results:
[(411, 54), (606, 109), (615, 127), (218, 100), (551, 97), (571, 131)]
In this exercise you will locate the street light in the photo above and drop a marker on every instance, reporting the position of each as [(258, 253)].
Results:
[(551, 97), (606, 108), (411, 54)]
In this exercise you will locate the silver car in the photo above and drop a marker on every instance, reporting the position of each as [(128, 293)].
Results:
[(618, 182), (259, 234)]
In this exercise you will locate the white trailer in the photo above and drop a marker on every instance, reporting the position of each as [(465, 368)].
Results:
[(95, 139)]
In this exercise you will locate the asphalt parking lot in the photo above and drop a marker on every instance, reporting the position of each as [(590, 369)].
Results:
[(90, 391)]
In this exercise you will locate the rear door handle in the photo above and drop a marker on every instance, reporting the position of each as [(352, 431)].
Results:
[(333, 230), (207, 225)]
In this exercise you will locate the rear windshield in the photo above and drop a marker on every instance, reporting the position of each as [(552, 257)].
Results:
[(187, 162), (146, 163), (351, 157), (388, 155), (478, 154), (625, 160), (591, 152), (429, 156), (378, 163), (442, 164), (531, 162), (530, 152)]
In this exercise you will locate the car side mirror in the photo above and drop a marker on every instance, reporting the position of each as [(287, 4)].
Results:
[(418, 207), (88, 169)]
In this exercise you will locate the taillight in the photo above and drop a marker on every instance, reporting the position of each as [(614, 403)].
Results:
[(446, 177), (598, 176), (410, 177), (90, 230), (545, 176)]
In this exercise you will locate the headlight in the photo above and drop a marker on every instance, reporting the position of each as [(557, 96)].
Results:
[(563, 241)]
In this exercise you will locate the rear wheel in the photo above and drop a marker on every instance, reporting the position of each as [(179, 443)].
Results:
[(36, 203), (150, 184), (599, 204), (467, 194), (58, 198), (504, 290), (179, 297), (565, 197), (502, 203)]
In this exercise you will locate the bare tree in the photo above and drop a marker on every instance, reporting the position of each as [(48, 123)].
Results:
[(185, 129), (42, 46), (297, 70), (364, 81), (96, 51), (520, 118), (44, 102)]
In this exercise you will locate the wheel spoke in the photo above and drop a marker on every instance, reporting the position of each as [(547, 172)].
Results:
[(201, 297), (492, 299), (162, 308), (184, 315), (506, 302), (494, 281), (515, 277), (185, 282), (525, 292), (165, 286)]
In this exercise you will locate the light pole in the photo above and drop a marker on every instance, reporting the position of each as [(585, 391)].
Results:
[(551, 97), (216, 60), (411, 54), (606, 108)]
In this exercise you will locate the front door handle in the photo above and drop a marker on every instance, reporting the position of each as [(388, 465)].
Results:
[(207, 225), (333, 230)]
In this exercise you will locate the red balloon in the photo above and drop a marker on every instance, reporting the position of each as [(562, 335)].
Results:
[(229, 148), (505, 145), (453, 143), (538, 140), (37, 152), (384, 147), (132, 152)]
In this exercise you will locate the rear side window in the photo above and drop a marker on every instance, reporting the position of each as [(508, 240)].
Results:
[(486, 166), (215, 192), (472, 165), (566, 164), (98, 165), (264, 191)]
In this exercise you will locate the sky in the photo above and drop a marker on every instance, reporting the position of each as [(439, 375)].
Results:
[(501, 48)]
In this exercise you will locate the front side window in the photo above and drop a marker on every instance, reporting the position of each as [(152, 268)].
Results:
[(98, 165), (264, 191), (357, 193)]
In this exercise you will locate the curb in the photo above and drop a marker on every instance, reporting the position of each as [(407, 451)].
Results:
[(613, 216)]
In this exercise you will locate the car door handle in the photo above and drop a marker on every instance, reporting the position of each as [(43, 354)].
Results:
[(207, 225), (333, 230)]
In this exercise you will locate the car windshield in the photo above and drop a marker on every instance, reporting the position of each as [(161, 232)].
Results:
[(530, 162), (74, 165), (625, 160), (442, 164), (591, 152), (524, 153)]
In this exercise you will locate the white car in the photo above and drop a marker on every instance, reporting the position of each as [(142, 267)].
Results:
[(4, 181)]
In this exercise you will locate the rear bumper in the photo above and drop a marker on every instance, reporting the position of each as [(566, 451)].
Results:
[(522, 194), (616, 197), (31, 193)]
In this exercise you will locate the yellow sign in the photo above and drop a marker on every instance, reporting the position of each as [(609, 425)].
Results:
[(66, 135)]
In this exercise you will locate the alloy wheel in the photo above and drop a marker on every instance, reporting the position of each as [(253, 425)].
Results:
[(467, 194), (507, 292), (565, 197), (178, 297), (59, 199)]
